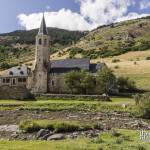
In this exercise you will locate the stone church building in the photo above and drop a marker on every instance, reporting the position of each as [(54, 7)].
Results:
[(47, 76)]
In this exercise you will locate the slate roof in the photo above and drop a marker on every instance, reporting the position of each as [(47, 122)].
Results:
[(18, 71), (66, 65), (43, 28)]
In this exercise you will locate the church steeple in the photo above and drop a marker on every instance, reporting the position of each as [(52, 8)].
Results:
[(43, 28), (41, 67)]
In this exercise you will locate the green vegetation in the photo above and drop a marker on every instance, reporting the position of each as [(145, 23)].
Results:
[(83, 82), (125, 84), (143, 103), (61, 36), (126, 140), (108, 41), (71, 105), (141, 80), (58, 126), (115, 60), (80, 82), (17, 47)]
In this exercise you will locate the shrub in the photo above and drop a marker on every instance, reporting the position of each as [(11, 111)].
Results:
[(80, 82), (105, 81), (140, 147), (74, 50), (115, 60), (29, 126), (57, 126), (147, 58), (143, 103), (125, 84), (66, 127), (116, 67)]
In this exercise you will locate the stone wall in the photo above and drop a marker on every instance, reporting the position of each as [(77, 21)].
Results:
[(14, 92), (59, 86), (74, 97)]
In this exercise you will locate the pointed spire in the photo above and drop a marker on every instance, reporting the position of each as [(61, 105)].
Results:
[(43, 28)]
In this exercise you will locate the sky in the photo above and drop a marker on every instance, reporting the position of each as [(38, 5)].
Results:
[(68, 14)]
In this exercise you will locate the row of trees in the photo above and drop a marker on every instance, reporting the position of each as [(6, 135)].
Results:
[(104, 81)]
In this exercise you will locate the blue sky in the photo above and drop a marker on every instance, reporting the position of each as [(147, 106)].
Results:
[(68, 14)]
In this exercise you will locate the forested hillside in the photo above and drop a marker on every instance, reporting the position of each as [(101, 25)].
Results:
[(18, 46)]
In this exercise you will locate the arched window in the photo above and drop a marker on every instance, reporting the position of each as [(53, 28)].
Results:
[(40, 42)]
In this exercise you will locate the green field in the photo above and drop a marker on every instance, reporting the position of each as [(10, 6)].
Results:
[(70, 105), (126, 140)]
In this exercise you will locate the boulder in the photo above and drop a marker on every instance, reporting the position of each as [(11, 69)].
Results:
[(56, 137), (42, 133)]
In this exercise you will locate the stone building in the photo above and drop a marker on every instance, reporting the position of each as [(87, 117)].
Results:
[(46, 76), (16, 76)]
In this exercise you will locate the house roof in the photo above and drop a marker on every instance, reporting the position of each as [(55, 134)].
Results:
[(18, 71), (66, 64)]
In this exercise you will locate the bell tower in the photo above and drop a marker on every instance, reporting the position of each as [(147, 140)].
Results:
[(41, 66)]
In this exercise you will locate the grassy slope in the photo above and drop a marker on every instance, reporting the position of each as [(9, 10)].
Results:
[(127, 140), (114, 37), (138, 72)]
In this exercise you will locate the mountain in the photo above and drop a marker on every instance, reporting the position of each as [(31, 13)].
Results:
[(105, 41), (18, 46), (112, 40)]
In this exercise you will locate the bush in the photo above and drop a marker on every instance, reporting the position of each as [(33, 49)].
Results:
[(116, 67), (126, 84), (57, 126), (80, 82), (147, 58), (105, 81), (74, 51), (143, 103), (115, 60)]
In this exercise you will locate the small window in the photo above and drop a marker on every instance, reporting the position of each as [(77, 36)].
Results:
[(19, 79), (40, 42), (24, 80), (4, 80), (21, 72), (11, 73), (7, 80), (53, 83)]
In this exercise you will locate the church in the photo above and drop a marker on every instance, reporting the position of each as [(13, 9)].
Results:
[(46, 76)]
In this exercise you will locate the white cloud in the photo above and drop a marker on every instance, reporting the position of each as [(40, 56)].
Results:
[(64, 19), (144, 4), (93, 13), (104, 11)]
